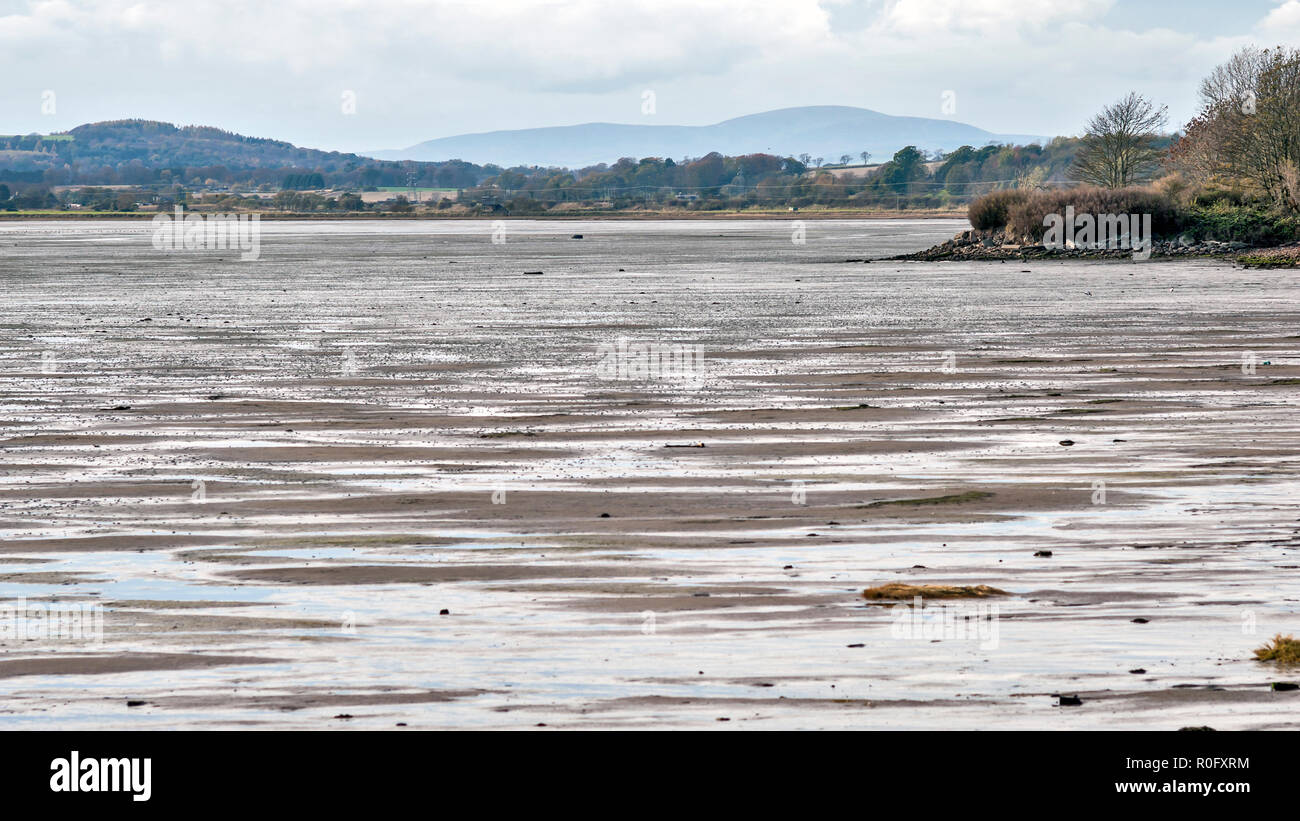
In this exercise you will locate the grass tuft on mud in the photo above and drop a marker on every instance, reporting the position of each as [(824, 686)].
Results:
[(950, 499), (903, 592), (1283, 650)]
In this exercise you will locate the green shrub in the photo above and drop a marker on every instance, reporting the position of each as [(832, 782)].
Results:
[(1207, 197), (1227, 223)]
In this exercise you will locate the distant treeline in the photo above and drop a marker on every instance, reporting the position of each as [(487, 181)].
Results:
[(910, 179), (143, 152), (169, 161)]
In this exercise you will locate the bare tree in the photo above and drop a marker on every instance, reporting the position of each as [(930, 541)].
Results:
[(866, 157), (1234, 82), (1203, 155), (1119, 148), (1248, 131), (1263, 135)]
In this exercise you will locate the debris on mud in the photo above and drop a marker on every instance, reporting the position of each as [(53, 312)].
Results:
[(952, 498), (1282, 649), (902, 592)]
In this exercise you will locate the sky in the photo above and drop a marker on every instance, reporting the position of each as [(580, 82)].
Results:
[(360, 75)]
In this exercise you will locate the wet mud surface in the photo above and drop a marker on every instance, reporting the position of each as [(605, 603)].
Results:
[(383, 474)]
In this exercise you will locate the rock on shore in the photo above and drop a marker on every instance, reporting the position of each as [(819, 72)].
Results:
[(996, 245)]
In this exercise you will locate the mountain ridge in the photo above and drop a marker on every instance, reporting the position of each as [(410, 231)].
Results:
[(825, 131)]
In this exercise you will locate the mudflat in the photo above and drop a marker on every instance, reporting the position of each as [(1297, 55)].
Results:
[(383, 468)]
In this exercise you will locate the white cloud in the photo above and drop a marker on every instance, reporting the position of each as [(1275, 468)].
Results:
[(1283, 21), (423, 69), (539, 43), (987, 16)]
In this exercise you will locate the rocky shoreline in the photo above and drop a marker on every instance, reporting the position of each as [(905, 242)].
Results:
[(998, 246)]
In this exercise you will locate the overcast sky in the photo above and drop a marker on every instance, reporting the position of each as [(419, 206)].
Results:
[(419, 69)]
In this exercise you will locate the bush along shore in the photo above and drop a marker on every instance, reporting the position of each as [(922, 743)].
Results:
[(1119, 224)]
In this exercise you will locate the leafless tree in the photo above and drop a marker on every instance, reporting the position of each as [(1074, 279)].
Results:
[(1248, 131), (1119, 148), (1235, 81), (1264, 145)]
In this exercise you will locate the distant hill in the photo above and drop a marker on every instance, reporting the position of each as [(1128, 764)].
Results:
[(140, 152), (821, 131)]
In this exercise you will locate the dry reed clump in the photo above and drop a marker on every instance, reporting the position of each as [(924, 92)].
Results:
[(1283, 650), (1020, 212), (990, 212), (1025, 219), (903, 592)]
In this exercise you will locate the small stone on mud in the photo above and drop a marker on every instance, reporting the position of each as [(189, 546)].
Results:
[(1043, 554), (1138, 671), (1284, 686), (136, 703), (1140, 621), (1066, 442), (444, 612), (1069, 701)]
